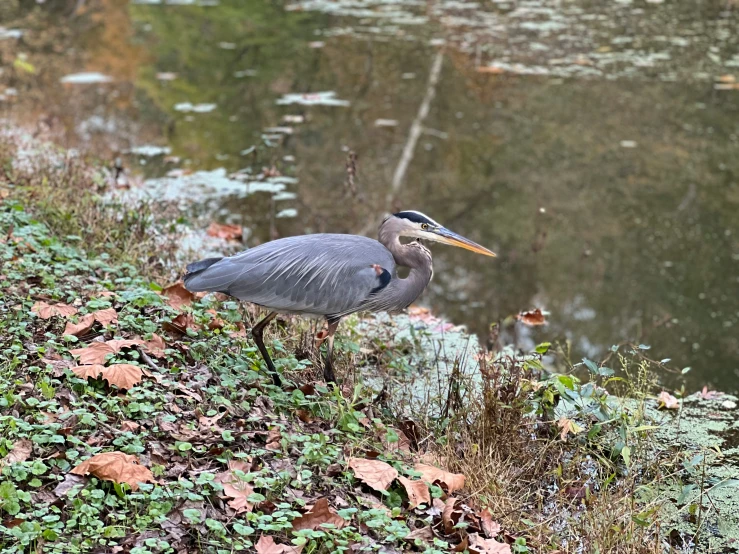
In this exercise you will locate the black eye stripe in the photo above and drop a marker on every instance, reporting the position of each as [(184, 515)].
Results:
[(415, 217)]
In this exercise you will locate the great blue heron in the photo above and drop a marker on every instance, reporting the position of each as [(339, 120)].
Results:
[(329, 275)]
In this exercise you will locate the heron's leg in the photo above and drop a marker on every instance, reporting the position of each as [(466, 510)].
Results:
[(257, 332), (328, 368)]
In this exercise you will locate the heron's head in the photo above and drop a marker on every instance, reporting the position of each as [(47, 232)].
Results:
[(417, 225)]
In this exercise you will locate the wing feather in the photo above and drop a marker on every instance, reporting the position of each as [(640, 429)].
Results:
[(321, 274)]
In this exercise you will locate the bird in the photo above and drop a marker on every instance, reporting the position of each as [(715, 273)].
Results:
[(329, 275)]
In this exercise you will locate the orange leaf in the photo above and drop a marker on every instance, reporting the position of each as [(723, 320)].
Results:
[(491, 528), (177, 295), (236, 488), (567, 426), (80, 328), (106, 317), (320, 513), (97, 351), (156, 346), (418, 492), (431, 474), (532, 317), (274, 438), (117, 467), (478, 545), (223, 231), (267, 545), (374, 473), (20, 452), (123, 376), (448, 518), (129, 425), (45, 311), (85, 371)]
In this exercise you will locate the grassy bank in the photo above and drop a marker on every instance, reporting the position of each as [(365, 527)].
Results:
[(192, 449)]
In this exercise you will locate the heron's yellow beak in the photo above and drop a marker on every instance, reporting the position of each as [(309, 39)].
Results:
[(444, 235)]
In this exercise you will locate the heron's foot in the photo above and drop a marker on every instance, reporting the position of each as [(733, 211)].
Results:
[(328, 373)]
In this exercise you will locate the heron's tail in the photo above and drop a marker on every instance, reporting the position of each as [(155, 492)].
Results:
[(196, 268)]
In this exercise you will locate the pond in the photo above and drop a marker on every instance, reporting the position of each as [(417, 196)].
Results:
[(594, 146)]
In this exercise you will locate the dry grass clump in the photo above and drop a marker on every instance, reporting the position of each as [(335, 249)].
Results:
[(65, 191), (563, 493)]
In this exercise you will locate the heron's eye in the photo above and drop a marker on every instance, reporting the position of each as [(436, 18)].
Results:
[(425, 226)]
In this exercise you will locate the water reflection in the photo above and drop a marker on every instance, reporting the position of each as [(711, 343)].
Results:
[(610, 196)]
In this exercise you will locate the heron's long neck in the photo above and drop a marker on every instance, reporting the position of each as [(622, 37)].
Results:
[(401, 293)]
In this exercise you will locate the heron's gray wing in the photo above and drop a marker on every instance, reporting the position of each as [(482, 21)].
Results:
[(322, 274)]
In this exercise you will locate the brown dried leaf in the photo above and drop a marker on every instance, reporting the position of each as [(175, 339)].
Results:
[(532, 317), (490, 527), (418, 492), (129, 425), (117, 467), (224, 231), (206, 423), (274, 438), (177, 295), (106, 317), (80, 328), (374, 473), (666, 400), (431, 474), (181, 324), (123, 376), (462, 546), (45, 311), (448, 516), (20, 452), (97, 351), (237, 489), (567, 426), (267, 545), (85, 371), (426, 534), (479, 545), (320, 513), (155, 346)]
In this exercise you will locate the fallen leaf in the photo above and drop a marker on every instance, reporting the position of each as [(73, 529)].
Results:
[(117, 467), (418, 492), (492, 69), (425, 534), (216, 322), (274, 438), (532, 317), (236, 488), (177, 295), (83, 325), (462, 546), (374, 473), (431, 474), (567, 426), (709, 394), (206, 423), (666, 400), (320, 513), (448, 516), (123, 376), (69, 482), (155, 346), (129, 425), (224, 231), (479, 545), (98, 351), (20, 452), (490, 527), (45, 311), (106, 317), (267, 545), (181, 324)]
